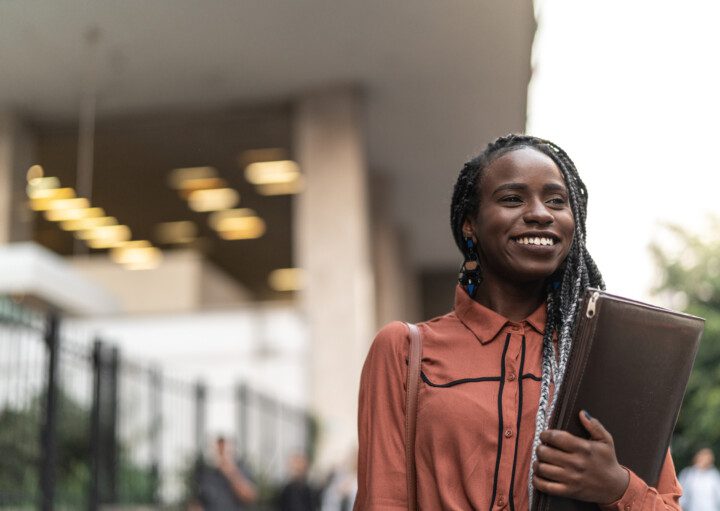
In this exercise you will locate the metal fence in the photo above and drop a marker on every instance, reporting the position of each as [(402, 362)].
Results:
[(82, 427)]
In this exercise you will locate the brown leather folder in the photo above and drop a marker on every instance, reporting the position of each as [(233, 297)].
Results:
[(629, 366)]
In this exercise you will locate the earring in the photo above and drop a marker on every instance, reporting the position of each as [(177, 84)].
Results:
[(470, 275)]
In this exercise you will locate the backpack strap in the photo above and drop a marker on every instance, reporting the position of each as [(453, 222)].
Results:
[(412, 387)]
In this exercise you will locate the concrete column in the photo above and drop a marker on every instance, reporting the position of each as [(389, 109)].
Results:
[(396, 282), (17, 153), (332, 244)]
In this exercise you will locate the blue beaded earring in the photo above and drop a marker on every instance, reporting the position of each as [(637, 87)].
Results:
[(470, 275)]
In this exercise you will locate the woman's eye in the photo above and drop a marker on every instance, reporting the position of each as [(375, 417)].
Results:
[(511, 198), (557, 201)]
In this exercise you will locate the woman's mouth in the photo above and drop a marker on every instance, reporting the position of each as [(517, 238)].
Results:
[(535, 240)]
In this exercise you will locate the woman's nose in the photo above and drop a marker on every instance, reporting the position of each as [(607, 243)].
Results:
[(538, 213)]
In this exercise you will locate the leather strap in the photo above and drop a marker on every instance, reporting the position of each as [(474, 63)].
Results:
[(412, 387)]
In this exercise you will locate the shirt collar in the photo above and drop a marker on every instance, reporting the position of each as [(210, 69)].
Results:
[(485, 323)]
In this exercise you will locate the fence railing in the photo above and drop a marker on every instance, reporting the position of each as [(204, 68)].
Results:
[(82, 427)]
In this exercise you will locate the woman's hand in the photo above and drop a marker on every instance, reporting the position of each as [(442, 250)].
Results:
[(570, 466)]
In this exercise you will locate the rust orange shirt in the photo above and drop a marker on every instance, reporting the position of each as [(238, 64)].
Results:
[(476, 416)]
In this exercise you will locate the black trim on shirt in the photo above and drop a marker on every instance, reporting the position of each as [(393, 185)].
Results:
[(511, 494), (500, 421), (457, 382), (471, 380)]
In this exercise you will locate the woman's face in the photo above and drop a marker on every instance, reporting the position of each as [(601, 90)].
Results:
[(524, 227)]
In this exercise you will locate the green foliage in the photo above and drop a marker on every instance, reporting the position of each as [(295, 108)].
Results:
[(691, 277), (20, 459)]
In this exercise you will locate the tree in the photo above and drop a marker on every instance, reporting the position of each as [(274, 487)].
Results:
[(690, 278)]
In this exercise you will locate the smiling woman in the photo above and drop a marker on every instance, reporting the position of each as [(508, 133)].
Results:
[(491, 367)]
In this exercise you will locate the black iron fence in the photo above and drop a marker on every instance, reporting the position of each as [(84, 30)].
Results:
[(82, 427)]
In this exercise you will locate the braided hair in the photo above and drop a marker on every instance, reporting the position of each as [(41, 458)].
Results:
[(564, 288)]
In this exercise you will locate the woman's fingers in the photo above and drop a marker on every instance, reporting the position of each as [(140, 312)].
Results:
[(595, 428), (553, 456), (564, 441), (551, 472)]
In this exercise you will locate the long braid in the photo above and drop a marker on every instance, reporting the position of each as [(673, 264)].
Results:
[(564, 288)]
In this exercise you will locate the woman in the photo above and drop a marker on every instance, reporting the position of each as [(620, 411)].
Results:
[(518, 216)]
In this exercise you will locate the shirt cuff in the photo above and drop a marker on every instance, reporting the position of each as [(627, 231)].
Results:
[(636, 487)]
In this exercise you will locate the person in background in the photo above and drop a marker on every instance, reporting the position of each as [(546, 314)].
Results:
[(224, 486), (701, 483), (341, 489), (297, 494)]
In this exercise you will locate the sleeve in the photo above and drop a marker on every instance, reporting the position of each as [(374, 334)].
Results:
[(381, 423), (640, 497)]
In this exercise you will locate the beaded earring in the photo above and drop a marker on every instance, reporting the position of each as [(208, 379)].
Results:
[(470, 275)]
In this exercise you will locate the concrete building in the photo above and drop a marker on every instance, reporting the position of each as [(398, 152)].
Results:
[(378, 103)]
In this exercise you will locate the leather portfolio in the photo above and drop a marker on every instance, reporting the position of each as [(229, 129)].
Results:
[(629, 366)]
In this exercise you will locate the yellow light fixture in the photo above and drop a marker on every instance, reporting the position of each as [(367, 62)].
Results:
[(287, 279), (108, 236), (217, 217), (170, 233), (34, 172), (241, 228), (48, 194), (37, 183), (264, 154), (213, 200), (204, 183), (76, 203), (83, 224), (267, 172), (137, 255), (289, 188), (62, 215), (180, 176)]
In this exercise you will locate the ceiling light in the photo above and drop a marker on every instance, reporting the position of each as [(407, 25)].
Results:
[(202, 183), (43, 182), (49, 194), (137, 255), (267, 172), (54, 205), (61, 215), (83, 224), (213, 200), (241, 228), (170, 233), (289, 188), (34, 172), (287, 279), (218, 216), (179, 176), (105, 237), (265, 154)]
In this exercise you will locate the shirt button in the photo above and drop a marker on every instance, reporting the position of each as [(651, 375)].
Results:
[(511, 377), (628, 507), (508, 433), (514, 328), (500, 502)]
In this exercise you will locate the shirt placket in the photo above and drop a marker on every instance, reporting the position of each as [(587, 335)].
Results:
[(510, 403)]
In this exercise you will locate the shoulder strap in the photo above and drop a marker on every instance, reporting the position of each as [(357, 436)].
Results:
[(412, 386)]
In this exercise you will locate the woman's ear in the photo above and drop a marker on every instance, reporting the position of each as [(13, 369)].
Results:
[(468, 230)]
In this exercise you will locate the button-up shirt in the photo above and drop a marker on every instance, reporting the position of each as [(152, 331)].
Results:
[(477, 404)]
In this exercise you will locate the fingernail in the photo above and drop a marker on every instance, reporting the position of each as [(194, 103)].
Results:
[(587, 415)]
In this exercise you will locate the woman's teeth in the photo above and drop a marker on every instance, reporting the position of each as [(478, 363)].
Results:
[(535, 241)]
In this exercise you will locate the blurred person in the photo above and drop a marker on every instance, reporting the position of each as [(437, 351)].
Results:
[(341, 488), (701, 483), (488, 367), (297, 494), (224, 485)]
